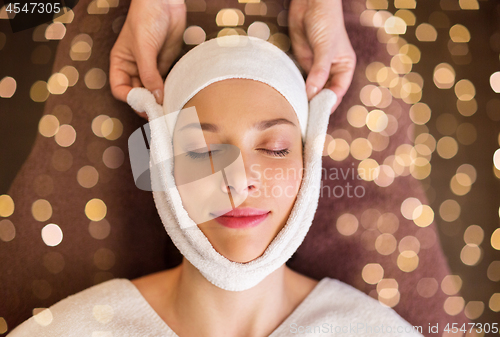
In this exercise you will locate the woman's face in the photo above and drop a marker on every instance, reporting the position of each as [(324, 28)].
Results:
[(249, 201)]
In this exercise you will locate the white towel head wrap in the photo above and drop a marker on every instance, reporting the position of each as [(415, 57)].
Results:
[(212, 61)]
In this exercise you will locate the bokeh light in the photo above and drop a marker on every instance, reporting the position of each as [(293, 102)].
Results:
[(426, 33), (52, 235), (194, 35), (444, 76), (8, 87), (347, 224), (95, 209)]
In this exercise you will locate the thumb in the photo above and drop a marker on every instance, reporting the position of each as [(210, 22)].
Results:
[(320, 71), (149, 73)]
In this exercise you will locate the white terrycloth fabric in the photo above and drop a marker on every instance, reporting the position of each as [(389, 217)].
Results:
[(212, 61), (117, 308)]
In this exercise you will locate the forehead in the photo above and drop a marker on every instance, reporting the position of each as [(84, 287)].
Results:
[(239, 101)]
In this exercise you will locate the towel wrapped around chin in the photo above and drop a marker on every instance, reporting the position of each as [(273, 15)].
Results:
[(217, 60)]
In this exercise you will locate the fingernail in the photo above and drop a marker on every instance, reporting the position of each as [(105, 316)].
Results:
[(311, 91), (158, 95)]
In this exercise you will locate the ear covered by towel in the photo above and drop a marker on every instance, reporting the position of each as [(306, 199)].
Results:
[(217, 60)]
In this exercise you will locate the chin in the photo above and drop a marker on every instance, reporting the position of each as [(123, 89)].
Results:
[(241, 248), (243, 256)]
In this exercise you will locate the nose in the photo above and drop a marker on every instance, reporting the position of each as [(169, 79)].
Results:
[(239, 178)]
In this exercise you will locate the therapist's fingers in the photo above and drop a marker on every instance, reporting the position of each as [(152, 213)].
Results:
[(121, 73), (320, 69), (149, 42), (174, 41), (148, 71), (341, 74), (321, 45), (299, 41)]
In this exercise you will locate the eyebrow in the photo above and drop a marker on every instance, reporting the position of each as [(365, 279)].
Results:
[(261, 126)]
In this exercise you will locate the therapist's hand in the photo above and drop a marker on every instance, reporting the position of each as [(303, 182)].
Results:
[(321, 45), (149, 42)]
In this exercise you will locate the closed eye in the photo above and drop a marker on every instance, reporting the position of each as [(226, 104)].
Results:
[(276, 153), (200, 155)]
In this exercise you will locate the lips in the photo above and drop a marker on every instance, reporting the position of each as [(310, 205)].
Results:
[(241, 217)]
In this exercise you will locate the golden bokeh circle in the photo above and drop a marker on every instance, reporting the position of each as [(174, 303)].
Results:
[(368, 169), (48, 125), (447, 147), (39, 92), (71, 74), (459, 34), (95, 209), (409, 242), (407, 261), (426, 33), (99, 230), (111, 128), (97, 123), (423, 215), (474, 234), (7, 230), (465, 90), (356, 116), (444, 76), (95, 78), (376, 121), (65, 136), (427, 287), (471, 254), (474, 309), (113, 157), (408, 207), (87, 176), (449, 210), (347, 224), (451, 284), (57, 84), (388, 223), (494, 302), (385, 244), (495, 239), (259, 29), (361, 148), (8, 86), (372, 273), (493, 272), (41, 210), (6, 205), (194, 35), (338, 149), (454, 305)]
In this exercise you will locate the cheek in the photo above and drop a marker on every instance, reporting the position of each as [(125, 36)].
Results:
[(281, 182), (200, 196)]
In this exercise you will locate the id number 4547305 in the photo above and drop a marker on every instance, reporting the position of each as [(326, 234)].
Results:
[(478, 327), (34, 7)]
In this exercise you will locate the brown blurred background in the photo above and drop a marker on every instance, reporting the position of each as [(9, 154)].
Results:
[(450, 53)]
